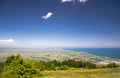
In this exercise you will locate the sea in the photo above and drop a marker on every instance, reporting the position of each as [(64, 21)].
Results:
[(107, 52)]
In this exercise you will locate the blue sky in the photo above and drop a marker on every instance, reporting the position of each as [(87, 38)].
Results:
[(60, 23)]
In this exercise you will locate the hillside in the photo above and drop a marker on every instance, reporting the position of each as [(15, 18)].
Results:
[(17, 67)]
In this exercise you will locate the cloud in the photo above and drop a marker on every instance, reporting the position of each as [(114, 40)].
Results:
[(48, 15), (6, 41), (67, 0), (81, 1)]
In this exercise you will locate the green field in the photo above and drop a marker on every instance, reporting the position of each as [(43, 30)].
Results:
[(84, 73)]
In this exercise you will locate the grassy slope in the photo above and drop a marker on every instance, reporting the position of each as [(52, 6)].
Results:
[(78, 73), (94, 73)]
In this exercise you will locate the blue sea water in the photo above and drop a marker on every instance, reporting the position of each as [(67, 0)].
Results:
[(108, 52)]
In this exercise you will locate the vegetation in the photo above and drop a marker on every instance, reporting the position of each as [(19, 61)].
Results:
[(112, 65), (64, 67), (84, 73), (1, 67), (16, 66)]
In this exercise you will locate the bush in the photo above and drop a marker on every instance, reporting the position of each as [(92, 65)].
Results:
[(64, 67), (52, 66), (112, 65), (1, 67), (89, 65)]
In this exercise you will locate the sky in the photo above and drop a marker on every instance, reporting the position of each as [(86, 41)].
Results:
[(60, 23)]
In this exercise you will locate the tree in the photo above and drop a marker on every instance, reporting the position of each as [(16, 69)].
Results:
[(41, 65), (52, 66), (9, 59), (89, 65), (112, 65), (22, 67), (1, 67)]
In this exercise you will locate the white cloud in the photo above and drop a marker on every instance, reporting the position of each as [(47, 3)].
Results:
[(81, 1), (6, 41), (67, 0), (48, 15)]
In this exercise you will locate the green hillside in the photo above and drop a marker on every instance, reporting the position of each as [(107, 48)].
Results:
[(17, 67)]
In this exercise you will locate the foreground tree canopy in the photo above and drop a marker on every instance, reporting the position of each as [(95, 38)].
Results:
[(19, 66)]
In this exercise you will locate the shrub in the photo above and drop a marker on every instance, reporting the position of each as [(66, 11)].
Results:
[(64, 67), (52, 66), (1, 66), (112, 65), (89, 65)]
